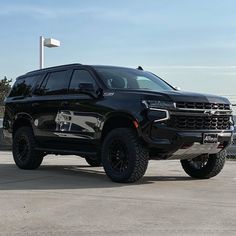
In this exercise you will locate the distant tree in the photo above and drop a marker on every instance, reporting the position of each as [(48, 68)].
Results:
[(5, 86)]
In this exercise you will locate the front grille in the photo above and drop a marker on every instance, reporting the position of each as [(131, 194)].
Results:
[(202, 105), (200, 122)]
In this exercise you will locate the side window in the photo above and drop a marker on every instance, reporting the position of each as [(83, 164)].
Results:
[(23, 86), (78, 77), (55, 83)]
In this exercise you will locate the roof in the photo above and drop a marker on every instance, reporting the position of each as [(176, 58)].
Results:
[(54, 67), (68, 66), (115, 67)]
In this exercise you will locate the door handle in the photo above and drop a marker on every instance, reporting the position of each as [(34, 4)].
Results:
[(64, 104), (35, 104)]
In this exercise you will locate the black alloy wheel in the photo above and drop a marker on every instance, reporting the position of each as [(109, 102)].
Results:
[(124, 157), (118, 155)]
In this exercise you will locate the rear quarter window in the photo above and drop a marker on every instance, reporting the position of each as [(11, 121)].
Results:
[(23, 86)]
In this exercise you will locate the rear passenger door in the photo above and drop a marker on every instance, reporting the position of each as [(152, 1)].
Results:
[(49, 99)]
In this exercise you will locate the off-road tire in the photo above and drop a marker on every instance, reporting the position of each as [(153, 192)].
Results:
[(213, 166), (28, 158), (94, 161), (136, 160)]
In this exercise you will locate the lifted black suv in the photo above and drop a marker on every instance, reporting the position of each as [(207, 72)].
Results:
[(117, 117)]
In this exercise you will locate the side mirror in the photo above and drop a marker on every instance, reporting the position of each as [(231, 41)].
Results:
[(88, 88), (38, 91)]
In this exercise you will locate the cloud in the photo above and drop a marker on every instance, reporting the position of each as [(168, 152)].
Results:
[(107, 13), (23, 10), (38, 11), (213, 67)]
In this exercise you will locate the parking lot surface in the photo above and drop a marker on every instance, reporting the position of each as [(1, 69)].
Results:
[(67, 197)]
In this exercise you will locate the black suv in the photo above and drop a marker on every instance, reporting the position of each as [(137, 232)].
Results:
[(116, 117)]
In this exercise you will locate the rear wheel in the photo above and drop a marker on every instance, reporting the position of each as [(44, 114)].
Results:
[(124, 158), (94, 161), (204, 166), (24, 153)]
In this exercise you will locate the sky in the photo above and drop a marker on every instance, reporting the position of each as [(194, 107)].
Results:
[(189, 43)]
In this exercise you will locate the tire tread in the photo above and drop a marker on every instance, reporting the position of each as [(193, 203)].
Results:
[(36, 158), (213, 167), (140, 159)]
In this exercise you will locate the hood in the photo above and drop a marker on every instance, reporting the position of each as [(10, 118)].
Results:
[(179, 96), (182, 96)]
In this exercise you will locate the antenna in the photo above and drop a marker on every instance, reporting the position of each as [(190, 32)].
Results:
[(140, 68)]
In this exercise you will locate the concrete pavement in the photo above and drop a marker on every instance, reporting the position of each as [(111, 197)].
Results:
[(66, 197)]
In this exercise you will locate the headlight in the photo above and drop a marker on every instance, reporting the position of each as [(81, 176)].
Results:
[(158, 104)]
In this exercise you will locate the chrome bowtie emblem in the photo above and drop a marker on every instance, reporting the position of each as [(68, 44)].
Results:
[(209, 112)]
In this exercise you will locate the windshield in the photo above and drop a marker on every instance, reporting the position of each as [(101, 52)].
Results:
[(124, 78)]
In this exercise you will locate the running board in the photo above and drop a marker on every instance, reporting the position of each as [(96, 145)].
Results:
[(66, 152)]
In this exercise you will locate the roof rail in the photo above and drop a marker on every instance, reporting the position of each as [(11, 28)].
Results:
[(54, 67)]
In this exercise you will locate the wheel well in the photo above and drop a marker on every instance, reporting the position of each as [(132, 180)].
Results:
[(20, 122), (117, 122)]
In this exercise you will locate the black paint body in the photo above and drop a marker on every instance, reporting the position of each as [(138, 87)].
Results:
[(70, 123)]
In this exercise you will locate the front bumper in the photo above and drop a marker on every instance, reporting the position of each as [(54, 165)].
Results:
[(169, 143)]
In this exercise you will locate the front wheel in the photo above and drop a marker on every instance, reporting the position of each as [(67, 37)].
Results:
[(124, 158), (204, 166)]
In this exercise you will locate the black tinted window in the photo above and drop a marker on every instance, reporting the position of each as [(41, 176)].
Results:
[(55, 83), (78, 77), (23, 86), (125, 78)]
